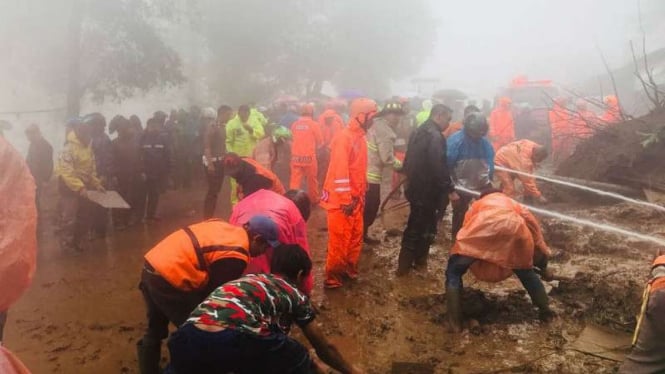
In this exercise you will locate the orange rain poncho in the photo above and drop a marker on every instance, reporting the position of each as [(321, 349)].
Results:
[(502, 126), (612, 112), (517, 156), (502, 235), (562, 142)]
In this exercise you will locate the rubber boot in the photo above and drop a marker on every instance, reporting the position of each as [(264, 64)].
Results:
[(541, 300), (454, 309), (148, 357), (404, 262)]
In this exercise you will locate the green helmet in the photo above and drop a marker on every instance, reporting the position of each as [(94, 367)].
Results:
[(281, 133)]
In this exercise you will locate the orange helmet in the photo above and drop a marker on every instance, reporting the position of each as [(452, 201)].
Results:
[(505, 102), (611, 100), (659, 261), (363, 109), (307, 109)]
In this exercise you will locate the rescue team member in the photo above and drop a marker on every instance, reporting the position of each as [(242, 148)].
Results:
[(381, 154), (265, 152), (127, 171), (648, 353), (182, 270), (428, 183), (250, 176), (499, 237), (470, 158), (331, 123), (242, 134), (307, 139), (424, 114), (101, 147), (39, 160), (344, 192), (76, 171), (613, 111), (214, 148), (522, 155), (156, 155), (243, 326), (502, 125), (562, 142)]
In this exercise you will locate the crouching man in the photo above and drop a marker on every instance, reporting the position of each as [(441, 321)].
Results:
[(499, 237), (243, 326)]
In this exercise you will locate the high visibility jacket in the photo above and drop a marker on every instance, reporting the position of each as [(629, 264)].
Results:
[(76, 165), (329, 132), (258, 116), (275, 184), (518, 156), (306, 139), (239, 140), (183, 258), (422, 116), (346, 177), (381, 153), (502, 235), (502, 127)]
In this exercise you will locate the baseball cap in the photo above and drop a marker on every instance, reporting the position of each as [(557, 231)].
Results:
[(266, 227)]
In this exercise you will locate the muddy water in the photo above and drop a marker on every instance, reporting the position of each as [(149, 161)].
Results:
[(84, 314)]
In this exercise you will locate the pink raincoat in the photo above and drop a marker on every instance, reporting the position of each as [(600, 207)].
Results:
[(292, 226)]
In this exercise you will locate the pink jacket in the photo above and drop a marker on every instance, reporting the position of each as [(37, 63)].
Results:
[(292, 227)]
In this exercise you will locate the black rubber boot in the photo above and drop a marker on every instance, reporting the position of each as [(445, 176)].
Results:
[(404, 262), (541, 300), (148, 357), (454, 309)]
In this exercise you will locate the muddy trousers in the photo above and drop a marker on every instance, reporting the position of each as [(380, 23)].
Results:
[(345, 237), (418, 236), (459, 264), (372, 204), (150, 198), (164, 304), (309, 173), (131, 188), (215, 182), (76, 216), (459, 211), (648, 352)]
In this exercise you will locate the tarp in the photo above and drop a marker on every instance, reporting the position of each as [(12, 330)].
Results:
[(18, 225), (107, 199)]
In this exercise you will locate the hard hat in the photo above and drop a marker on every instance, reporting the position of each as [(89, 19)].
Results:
[(659, 261), (209, 113), (363, 108), (281, 133), (476, 122), (392, 107), (307, 109)]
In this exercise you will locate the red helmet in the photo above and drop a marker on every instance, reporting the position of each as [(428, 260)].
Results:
[(363, 109)]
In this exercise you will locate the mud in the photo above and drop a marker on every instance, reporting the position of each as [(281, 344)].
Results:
[(84, 314)]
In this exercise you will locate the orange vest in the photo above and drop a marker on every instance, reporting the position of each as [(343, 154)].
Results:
[(306, 139), (183, 257), (277, 186)]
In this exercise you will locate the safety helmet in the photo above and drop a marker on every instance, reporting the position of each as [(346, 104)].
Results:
[(281, 133), (363, 109), (209, 113), (611, 100), (659, 261), (392, 107), (307, 109), (476, 123)]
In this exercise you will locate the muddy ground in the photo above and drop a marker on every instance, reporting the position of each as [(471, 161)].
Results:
[(84, 314)]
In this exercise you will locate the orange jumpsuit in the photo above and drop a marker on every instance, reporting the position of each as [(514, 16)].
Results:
[(307, 138), (517, 156), (329, 132), (502, 126), (345, 182), (562, 143)]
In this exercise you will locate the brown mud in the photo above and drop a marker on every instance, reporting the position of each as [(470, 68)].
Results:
[(84, 313)]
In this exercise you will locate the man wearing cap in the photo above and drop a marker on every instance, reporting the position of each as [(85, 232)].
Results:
[(380, 154), (182, 270), (39, 160)]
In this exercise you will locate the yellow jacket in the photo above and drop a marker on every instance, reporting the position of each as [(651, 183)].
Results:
[(239, 140), (76, 165)]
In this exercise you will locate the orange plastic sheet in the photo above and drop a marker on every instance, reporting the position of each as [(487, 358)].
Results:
[(10, 364)]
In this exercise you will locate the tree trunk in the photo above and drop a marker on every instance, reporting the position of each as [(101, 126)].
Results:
[(74, 68)]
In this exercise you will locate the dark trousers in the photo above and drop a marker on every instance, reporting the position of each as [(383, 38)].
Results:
[(459, 264), (215, 181), (76, 213), (372, 202), (148, 202), (231, 351), (131, 188), (459, 211), (418, 236)]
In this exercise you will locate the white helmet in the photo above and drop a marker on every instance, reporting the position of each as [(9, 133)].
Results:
[(209, 112)]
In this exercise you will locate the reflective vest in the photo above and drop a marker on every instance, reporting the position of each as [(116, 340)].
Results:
[(183, 258)]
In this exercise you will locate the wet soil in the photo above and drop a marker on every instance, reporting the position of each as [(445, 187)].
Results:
[(84, 313)]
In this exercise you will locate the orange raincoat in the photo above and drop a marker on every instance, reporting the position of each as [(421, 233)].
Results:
[(307, 139), (502, 235), (502, 126), (562, 142), (329, 132), (517, 156)]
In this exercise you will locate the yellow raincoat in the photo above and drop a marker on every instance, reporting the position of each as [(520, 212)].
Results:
[(239, 140), (76, 165)]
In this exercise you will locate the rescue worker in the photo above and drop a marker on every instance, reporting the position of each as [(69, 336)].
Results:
[(76, 172), (290, 212), (499, 237), (214, 148), (428, 187), (156, 156), (266, 150), (522, 155), (243, 326), (242, 134), (560, 126), (583, 122), (470, 159), (344, 192), (331, 123), (250, 176), (648, 352), (39, 160), (381, 154), (502, 125), (181, 270), (128, 172), (101, 147), (307, 139), (424, 114), (612, 111)]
